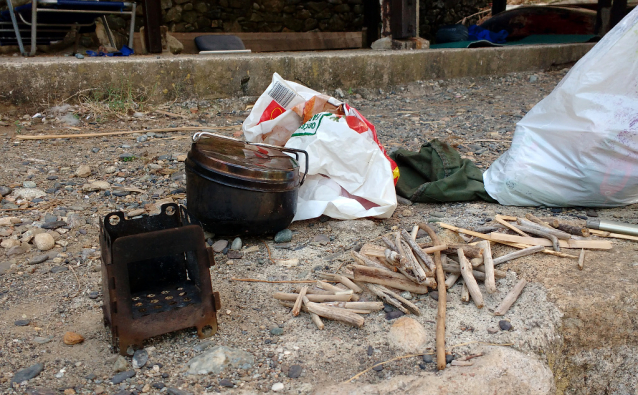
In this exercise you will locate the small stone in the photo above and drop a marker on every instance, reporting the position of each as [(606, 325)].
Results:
[(377, 368), (29, 184), (79, 56), (50, 218), (38, 259), (283, 236), (505, 325), (4, 191), (277, 387), (277, 331), (294, 371), (492, 330), (339, 93), (408, 335), (388, 308), (403, 201), (236, 245), (44, 241), (41, 340), (321, 239), (158, 386), (141, 139), (118, 378), (422, 366), (434, 295), (94, 294), (58, 269), (110, 169), (53, 225), (406, 295), (140, 358), (533, 78), (218, 358), (250, 250), (22, 322), (135, 213), (176, 391), (71, 338), (438, 214), (406, 213), (591, 213), (226, 383), (235, 254), (556, 210), (27, 374), (449, 358), (10, 243), (394, 315), (370, 351), (83, 171), (427, 358), (219, 245), (95, 150), (127, 157)]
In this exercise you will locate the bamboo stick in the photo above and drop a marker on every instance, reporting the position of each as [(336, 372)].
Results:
[(517, 254), (581, 259), (394, 280), (442, 302), (524, 242), (469, 280), (510, 298), (476, 262), (488, 264), (313, 298), (572, 230), (299, 301)]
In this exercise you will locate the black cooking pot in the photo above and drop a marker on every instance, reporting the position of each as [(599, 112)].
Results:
[(235, 187)]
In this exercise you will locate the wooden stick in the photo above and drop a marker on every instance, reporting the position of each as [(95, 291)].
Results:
[(372, 250), (388, 299), (299, 301), (451, 279), (432, 250), (373, 275), (442, 302), (343, 280), (313, 298), (510, 298), (315, 318), (337, 314), (500, 220), (558, 233), (425, 258), (461, 363), (163, 130), (572, 230), (519, 241), (329, 287), (465, 294), (415, 232), (255, 280), (389, 244), (471, 251), (315, 291), (470, 281), (364, 260), (581, 259), (488, 264), (412, 263), (476, 262), (393, 258), (517, 254), (538, 221), (478, 273), (542, 233), (409, 305), (603, 233), (372, 306)]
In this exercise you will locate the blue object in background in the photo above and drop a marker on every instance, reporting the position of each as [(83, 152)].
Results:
[(478, 33), (125, 51)]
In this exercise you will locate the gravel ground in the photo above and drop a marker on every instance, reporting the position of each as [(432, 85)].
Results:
[(63, 293)]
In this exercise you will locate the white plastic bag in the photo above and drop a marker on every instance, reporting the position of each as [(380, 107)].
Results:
[(349, 175), (579, 145)]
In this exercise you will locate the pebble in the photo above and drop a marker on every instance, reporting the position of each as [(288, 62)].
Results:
[(71, 338), (94, 294), (321, 239), (236, 245), (403, 201), (277, 331), (158, 385), (235, 254), (118, 378), (29, 184), (120, 364), (556, 210), (406, 213), (434, 295), (142, 139), (492, 330), (41, 340), (38, 259), (175, 391), (58, 269), (126, 157), (283, 236), (505, 325), (226, 383), (406, 295), (218, 358), (135, 213), (394, 315), (44, 241), (427, 358), (53, 225), (83, 171), (294, 371), (140, 358), (377, 368), (449, 358), (27, 374), (438, 214), (387, 308), (277, 387), (370, 351), (110, 169), (22, 322), (533, 78), (591, 213), (4, 191), (95, 150), (79, 56)]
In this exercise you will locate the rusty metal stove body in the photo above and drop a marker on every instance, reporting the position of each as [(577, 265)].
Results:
[(155, 276)]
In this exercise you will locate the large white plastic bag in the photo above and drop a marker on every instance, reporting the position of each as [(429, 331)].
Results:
[(348, 176), (579, 145)]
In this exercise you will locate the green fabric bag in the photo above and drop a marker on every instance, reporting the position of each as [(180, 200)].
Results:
[(437, 174)]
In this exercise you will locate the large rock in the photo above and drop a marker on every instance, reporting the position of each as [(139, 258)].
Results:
[(408, 335), (174, 45), (44, 241), (502, 370), (219, 358)]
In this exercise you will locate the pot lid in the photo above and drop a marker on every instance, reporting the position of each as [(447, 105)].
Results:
[(245, 160)]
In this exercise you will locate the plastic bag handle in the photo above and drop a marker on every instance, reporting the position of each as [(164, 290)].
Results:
[(294, 151)]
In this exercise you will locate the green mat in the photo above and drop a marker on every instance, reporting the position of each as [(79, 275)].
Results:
[(536, 39)]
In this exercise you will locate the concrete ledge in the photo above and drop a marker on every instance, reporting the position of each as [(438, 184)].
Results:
[(45, 81)]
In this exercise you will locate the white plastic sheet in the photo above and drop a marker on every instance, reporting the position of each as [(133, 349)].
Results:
[(579, 145), (349, 174)]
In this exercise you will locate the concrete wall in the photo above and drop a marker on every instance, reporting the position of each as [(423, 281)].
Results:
[(43, 81)]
